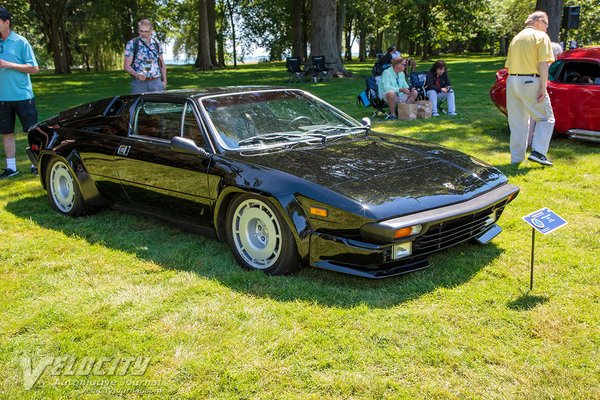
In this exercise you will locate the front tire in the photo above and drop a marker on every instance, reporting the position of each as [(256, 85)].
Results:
[(259, 237), (63, 189)]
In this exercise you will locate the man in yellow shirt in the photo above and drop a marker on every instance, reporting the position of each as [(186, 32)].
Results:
[(529, 55)]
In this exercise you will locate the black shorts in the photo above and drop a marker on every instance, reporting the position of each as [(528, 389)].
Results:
[(24, 109)]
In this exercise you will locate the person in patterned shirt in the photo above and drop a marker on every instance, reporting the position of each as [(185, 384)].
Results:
[(144, 61)]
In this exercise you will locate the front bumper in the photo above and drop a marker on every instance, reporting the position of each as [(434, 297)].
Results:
[(442, 228)]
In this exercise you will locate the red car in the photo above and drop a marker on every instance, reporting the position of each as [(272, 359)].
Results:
[(574, 88)]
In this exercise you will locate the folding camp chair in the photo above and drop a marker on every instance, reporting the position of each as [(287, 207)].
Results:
[(417, 80), (370, 97), (294, 69), (320, 70)]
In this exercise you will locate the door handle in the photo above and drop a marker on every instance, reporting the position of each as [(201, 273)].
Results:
[(123, 150)]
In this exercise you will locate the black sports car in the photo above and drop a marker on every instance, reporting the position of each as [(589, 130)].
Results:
[(285, 178)]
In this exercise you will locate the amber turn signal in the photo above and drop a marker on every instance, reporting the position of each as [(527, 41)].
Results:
[(400, 233), (319, 212), (409, 230)]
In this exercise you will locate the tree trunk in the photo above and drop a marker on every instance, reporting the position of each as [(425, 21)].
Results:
[(203, 61), (306, 12), (324, 35), (340, 17), (348, 41), (379, 43), (425, 29), (212, 31), (362, 46), (503, 48), (297, 42), (554, 9), (233, 38), (221, 34)]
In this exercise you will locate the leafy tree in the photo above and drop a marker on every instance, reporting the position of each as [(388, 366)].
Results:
[(267, 24), (589, 21), (26, 24), (52, 14)]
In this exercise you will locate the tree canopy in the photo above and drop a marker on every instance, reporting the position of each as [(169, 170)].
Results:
[(91, 34)]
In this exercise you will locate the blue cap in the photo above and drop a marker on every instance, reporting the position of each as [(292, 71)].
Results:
[(4, 14)]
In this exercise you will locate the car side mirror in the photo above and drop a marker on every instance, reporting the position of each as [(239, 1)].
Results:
[(187, 146)]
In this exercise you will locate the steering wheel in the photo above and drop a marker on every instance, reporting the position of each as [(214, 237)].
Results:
[(295, 123)]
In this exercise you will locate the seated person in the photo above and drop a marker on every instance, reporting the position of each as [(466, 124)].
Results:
[(393, 87), (586, 80), (438, 88), (392, 53)]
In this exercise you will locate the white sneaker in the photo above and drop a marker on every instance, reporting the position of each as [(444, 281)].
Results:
[(452, 114), (435, 115)]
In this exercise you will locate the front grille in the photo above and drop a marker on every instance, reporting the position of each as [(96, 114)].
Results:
[(448, 233)]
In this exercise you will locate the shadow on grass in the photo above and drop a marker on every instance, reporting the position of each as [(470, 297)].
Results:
[(527, 302), (177, 250)]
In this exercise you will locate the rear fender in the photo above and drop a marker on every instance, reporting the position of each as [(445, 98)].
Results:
[(89, 191)]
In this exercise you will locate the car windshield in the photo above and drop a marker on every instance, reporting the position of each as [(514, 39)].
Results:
[(274, 118)]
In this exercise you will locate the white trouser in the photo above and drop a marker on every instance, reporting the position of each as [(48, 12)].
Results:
[(435, 97), (521, 103)]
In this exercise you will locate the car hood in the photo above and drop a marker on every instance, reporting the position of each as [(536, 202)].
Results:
[(382, 171)]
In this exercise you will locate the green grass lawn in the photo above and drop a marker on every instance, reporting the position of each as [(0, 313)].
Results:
[(114, 286)]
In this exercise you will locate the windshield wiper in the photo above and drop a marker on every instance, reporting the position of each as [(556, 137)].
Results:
[(330, 129), (272, 137)]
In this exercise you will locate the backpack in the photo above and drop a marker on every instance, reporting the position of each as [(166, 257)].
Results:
[(372, 89), (136, 47), (363, 99)]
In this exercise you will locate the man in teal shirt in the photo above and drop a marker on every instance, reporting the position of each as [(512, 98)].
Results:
[(17, 61), (393, 87)]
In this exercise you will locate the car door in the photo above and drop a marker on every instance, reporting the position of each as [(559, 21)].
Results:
[(584, 95), (575, 102), (156, 178), (97, 140)]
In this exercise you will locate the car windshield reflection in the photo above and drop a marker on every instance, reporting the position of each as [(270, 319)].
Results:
[(275, 118)]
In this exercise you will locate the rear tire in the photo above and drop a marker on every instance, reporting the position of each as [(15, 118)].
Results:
[(63, 189), (259, 237)]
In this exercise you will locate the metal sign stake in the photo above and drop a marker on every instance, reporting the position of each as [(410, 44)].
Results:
[(532, 257), (544, 220)]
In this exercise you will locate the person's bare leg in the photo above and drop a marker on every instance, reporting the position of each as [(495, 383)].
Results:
[(412, 97), (390, 99), (8, 141)]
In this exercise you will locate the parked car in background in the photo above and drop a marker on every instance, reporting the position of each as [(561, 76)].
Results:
[(574, 89), (285, 178)]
